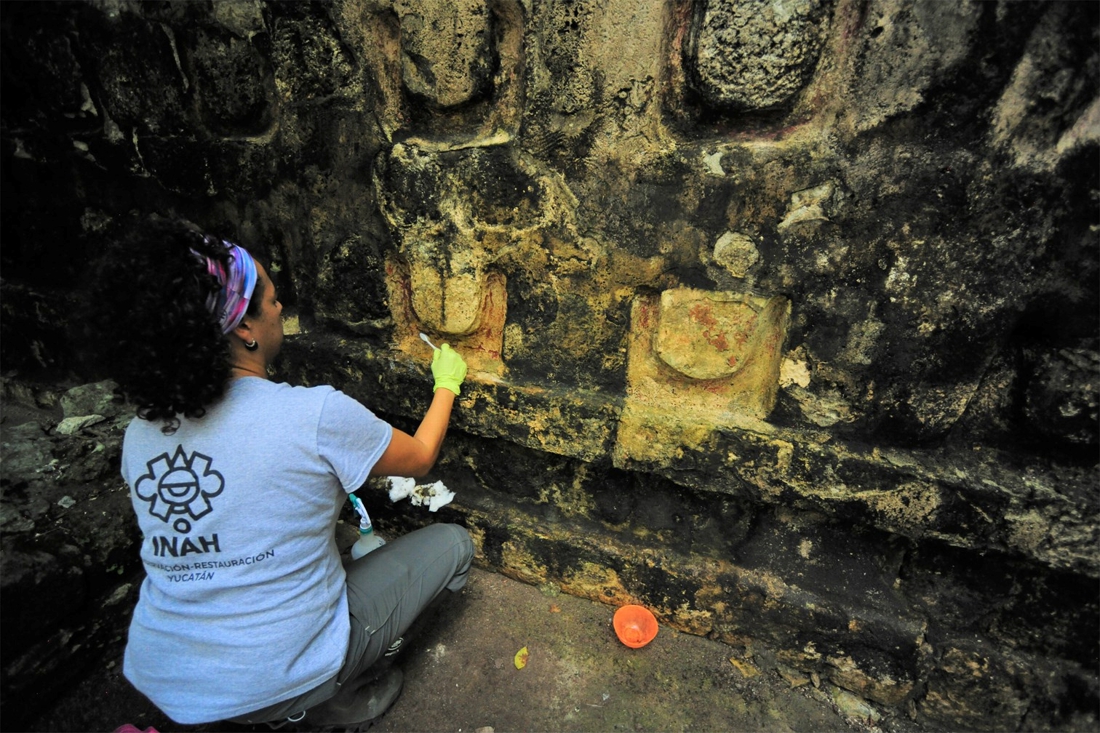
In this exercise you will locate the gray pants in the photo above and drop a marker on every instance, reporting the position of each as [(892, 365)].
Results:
[(387, 589)]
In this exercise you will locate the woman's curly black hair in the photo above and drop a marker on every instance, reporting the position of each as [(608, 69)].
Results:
[(148, 326)]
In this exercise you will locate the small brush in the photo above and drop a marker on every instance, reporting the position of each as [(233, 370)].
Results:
[(424, 338)]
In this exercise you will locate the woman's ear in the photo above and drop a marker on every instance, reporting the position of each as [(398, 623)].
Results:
[(243, 331)]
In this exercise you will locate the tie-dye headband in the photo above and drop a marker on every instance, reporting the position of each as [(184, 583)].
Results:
[(237, 283)]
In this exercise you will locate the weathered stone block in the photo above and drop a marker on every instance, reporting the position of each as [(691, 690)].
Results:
[(351, 286), (906, 48), (447, 57), (982, 595), (445, 72), (466, 310), (243, 19), (967, 688), (233, 86), (811, 206), (141, 85), (1063, 395), (98, 398), (310, 62), (51, 81), (576, 423), (1040, 134)]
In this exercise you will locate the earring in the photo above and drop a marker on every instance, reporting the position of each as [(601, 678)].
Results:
[(252, 346)]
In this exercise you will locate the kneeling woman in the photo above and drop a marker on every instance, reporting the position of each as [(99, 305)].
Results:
[(246, 612)]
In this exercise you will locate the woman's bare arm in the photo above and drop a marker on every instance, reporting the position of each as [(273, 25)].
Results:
[(414, 455)]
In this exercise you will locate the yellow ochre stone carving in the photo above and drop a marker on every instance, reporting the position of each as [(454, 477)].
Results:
[(707, 335), (698, 360)]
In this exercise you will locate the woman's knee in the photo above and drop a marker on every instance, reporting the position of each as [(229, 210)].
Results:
[(461, 533), (451, 535), (462, 548), (462, 539)]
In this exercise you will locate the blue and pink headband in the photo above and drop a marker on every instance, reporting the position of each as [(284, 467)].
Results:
[(237, 282)]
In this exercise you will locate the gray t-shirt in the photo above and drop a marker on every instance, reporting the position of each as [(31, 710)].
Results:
[(244, 603)]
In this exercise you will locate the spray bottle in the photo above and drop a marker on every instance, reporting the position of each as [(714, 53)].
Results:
[(368, 540)]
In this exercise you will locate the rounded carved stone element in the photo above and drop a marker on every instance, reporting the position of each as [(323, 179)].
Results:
[(751, 56), (705, 335), (447, 303)]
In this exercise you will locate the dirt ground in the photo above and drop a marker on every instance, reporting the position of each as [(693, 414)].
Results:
[(460, 675)]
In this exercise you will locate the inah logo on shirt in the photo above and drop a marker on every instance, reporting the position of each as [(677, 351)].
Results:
[(180, 485)]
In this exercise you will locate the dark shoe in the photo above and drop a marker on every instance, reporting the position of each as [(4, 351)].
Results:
[(395, 647), (357, 704)]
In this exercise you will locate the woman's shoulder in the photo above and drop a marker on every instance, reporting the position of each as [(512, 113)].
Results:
[(251, 388), (323, 402), (254, 398)]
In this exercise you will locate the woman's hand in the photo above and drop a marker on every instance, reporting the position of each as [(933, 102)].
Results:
[(414, 455), (448, 368)]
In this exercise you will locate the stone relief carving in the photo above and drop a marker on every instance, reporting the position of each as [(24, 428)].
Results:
[(749, 56), (446, 50), (698, 360), (711, 335), (447, 73), (462, 219)]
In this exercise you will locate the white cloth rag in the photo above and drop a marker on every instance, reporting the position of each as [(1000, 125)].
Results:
[(433, 495)]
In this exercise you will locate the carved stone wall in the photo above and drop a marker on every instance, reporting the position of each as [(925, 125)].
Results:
[(782, 319)]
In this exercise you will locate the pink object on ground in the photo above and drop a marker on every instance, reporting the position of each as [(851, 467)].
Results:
[(132, 729), (635, 626)]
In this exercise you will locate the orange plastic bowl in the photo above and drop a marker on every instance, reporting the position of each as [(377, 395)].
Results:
[(635, 626)]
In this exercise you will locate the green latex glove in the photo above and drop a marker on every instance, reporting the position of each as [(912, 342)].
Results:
[(448, 368)]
